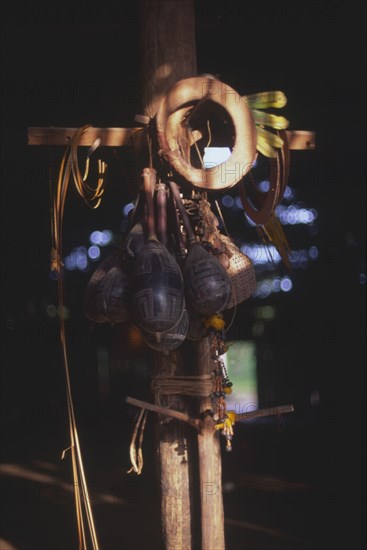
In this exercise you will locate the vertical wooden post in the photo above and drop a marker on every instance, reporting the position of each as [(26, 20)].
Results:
[(210, 465), (168, 54), (168, 48), (173, 454)]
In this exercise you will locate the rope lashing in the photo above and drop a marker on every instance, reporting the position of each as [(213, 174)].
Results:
[(194, 386)]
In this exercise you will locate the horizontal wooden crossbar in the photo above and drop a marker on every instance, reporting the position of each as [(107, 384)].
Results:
[(301, 140), (122, 137), (110, 137), (250, 415)]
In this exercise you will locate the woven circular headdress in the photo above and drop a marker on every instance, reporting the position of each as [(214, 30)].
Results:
[(171, 115)]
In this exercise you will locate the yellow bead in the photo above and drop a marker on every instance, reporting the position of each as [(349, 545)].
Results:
[(215, 321)]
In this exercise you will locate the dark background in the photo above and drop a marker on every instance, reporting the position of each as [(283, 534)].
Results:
[(71, 63)]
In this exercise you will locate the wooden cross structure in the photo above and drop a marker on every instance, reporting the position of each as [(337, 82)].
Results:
[(122, 137), (168, 55)]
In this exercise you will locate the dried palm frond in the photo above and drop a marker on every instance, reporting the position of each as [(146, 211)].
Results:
[(267, 119), (267, 141), (266, 100), (272, 233)]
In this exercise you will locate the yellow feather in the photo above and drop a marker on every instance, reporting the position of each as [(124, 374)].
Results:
[(272, 139), (264, 147), (274, 121), (266, 100)]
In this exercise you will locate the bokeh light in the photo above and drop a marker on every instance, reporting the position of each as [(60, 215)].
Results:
[(313, 252), (261, 254), (94, 252), (286, 284), (227, 201), (127, 208), (101, 238), (264, 186)]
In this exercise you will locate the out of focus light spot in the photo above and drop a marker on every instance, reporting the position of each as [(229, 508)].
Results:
[(276, 284), (77, 259), (107, 237), (228, 486), (127, 208), (264, 186), (286, 284), (227, 201), (293, 256), (266, 287), (51, 310), (94, 252), (293, 214), (362, 278), (265, 312), (261, 254), (305, 216), (313, 252), (96, 237), (101, 238), (289, 193), (303, 255), (63, 312), (215, 155), (82, 263), (315, 398), (70, 262), (258, 329), (263, 289), (81, 258)]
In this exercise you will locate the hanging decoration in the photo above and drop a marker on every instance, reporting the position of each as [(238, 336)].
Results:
[(176, 273), (92, 197)]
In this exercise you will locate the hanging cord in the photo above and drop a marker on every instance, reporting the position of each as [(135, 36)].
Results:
[(92, 197)]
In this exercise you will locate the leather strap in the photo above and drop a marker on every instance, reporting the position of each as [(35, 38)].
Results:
[(260, 206)]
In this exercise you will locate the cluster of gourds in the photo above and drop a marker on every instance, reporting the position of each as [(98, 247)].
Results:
[(169, 274), (162, 280)]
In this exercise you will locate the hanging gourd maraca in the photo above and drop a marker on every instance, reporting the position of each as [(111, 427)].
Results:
[(207, 284), (158, 300)]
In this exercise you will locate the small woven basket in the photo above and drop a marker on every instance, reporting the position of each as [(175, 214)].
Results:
[(241, 273)]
